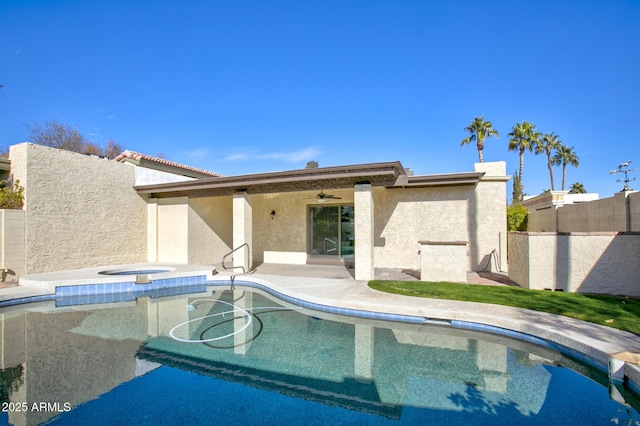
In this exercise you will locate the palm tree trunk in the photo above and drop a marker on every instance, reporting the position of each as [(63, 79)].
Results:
[(564, 169), (480, 155), (521, 168), (550, 166)]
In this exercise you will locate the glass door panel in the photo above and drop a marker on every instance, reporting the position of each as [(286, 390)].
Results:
[(325, 231), (332, 231), (346, 231)]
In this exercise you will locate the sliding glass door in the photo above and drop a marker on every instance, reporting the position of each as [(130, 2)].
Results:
[(331, 231)]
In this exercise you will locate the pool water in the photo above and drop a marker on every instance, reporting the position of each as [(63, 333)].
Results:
[(243, 357)]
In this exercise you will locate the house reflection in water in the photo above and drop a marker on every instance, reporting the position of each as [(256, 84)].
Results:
[(75, 354)]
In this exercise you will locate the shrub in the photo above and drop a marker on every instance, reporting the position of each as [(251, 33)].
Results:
[(517, 218), (11, 198)]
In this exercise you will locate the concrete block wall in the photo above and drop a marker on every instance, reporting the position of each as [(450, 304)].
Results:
[(544, 220), (81, 211), (605, 215), (634, 211), (594, 262), (12, 260), (608, 214)]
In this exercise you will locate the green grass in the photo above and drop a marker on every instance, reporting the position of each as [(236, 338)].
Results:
[(613, 311)]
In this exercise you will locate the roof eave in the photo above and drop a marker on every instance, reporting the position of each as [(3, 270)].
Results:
[(378, 174), (449, 179)]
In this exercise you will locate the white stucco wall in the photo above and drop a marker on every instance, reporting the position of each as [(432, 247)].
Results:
[(81, 211), (605, 262), (145, 176)]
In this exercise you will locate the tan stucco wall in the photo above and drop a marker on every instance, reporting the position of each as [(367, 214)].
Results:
[(444, 262), (364, 209), (488, 218), (173, 230), (78, 376), (81, 211), (476, 214), (404, 217), (518, 253), (286, 233), (196, 231), (210, 229), (605, 262), (12, 227), (285, 236)]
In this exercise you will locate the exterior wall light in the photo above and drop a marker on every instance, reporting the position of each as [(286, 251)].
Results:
[(273, 214)]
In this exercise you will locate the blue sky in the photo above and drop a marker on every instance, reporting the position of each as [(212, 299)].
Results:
[(252, 86)]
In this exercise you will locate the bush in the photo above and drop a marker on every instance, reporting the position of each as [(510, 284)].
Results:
[(11, 198), (517, 218)]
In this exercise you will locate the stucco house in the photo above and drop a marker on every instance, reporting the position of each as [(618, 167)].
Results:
[(83, 211)]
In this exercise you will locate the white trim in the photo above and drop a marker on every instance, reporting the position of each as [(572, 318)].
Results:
[(285, 257)]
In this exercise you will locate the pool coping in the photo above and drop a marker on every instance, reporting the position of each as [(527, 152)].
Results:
[(592, 343)]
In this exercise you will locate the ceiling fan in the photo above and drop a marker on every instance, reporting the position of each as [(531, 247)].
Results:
[(322, 197)]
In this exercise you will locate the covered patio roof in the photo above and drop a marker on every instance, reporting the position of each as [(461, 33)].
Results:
[(389, 174)]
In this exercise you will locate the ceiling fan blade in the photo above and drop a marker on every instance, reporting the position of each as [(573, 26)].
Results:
[(323, 196)]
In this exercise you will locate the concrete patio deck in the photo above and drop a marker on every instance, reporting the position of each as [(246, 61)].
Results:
[(335, 286)]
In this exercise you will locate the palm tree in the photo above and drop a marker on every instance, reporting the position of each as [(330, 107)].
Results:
[(577, 188), (479, 130), (524, 137), (565, 155), (548, 143)]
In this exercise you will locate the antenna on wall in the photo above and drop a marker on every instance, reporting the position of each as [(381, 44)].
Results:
[(624, 168)]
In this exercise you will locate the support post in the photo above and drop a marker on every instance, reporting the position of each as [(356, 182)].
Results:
[(242, 228), (364, 226)]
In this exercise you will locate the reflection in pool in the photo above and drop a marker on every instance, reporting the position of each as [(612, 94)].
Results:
[(261, 361)]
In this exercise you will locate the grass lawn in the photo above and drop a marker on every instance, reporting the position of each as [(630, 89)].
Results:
[(613, 311)]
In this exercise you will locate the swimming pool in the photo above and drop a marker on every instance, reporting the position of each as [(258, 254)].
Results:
[(117, 363)]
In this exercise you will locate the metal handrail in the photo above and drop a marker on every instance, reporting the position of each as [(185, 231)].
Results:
[(324, 243), (248, 259)]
